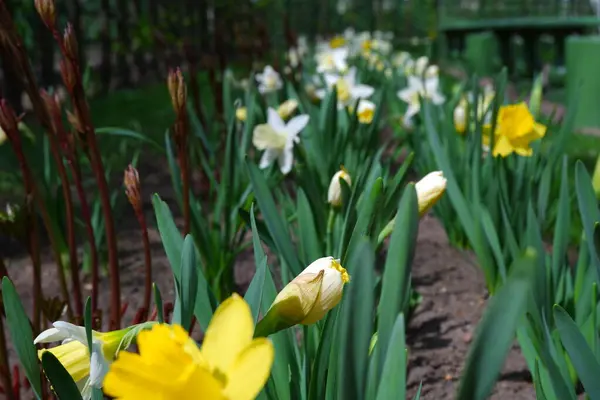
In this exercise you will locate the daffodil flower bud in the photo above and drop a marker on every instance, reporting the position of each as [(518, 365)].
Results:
[(287, 108), (334, 194), (429, 190), (241, 114), (307, 298)]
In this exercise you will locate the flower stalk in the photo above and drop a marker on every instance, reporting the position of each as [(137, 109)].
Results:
[(181, 131), (133, 192)]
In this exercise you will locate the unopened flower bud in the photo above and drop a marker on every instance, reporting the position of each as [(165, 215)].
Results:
[(69, 76), (429, 190), (47, 11), (307, 298), (241, 113), (334, 194), (287, 108), (70, 42), (177, 89), (75, 122), (131, 181)]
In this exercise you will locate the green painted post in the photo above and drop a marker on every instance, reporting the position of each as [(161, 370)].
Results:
[(583, 80), (481, 51)]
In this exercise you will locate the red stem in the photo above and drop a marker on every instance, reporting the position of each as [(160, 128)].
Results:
[(148, 261)]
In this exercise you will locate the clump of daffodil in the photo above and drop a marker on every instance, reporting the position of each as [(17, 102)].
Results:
[(348, 89), (307, 298), (427, 88), (515, 130), (334, 194), (87, 372), (277, 139), (269, 80), (230, 364), (287, 108), (484, 112), (430, 190)]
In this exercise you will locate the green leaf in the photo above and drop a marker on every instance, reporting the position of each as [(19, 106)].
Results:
[(393, 378), (128, 133), (173, 245), (356, 323), (496, 331), (273, 220), (396, 274), (310, 246), (159, 304), (588, 208), (581, 355), (188, 285), (321, 361), (21, 334), (254, 294), (62, 384)]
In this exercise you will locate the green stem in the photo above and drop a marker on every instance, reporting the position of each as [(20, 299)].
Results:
[(330, 223), (386, 231)]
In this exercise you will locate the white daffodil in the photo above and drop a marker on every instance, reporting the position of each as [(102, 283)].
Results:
[(277, 139), (87, 372), (332, 60), (417, 87), (307, 298), (334, 193), (348, 90), (420, 66), (399, 60), (268, 80)]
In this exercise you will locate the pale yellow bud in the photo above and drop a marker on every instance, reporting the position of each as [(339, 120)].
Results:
[(2, 136), (334, 194), (287, 108), (307, 298), (241, 114), (429, 190)]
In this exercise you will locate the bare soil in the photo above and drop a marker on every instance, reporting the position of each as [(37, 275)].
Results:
[(438, 335)]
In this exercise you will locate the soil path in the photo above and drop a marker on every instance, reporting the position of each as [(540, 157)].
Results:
[(442, 327)]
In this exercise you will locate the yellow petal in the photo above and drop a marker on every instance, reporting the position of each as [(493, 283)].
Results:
[(250, 371), (502, 147), (230, 331)]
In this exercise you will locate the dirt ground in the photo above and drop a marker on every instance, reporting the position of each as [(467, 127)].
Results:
[(439, 333)]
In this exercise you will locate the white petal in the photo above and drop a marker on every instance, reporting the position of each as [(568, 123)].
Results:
[(72, 331), (415, 83), (50, 335), (259, 77), (437, 98), (268, 157), (406, 94), (286, 160), (331, 79), (98, 367), (351, 76), (262, 89), (274, 119), (362, 91), (321, 93), (296, 125), (413, 109)]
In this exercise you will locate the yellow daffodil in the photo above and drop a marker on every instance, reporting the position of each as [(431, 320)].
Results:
[(287, 108), (277, 139), (515, 130), (241, 113), (366, 111), (230, 365), (334, 194), (429, 190), (307, 298), (87, 372)]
